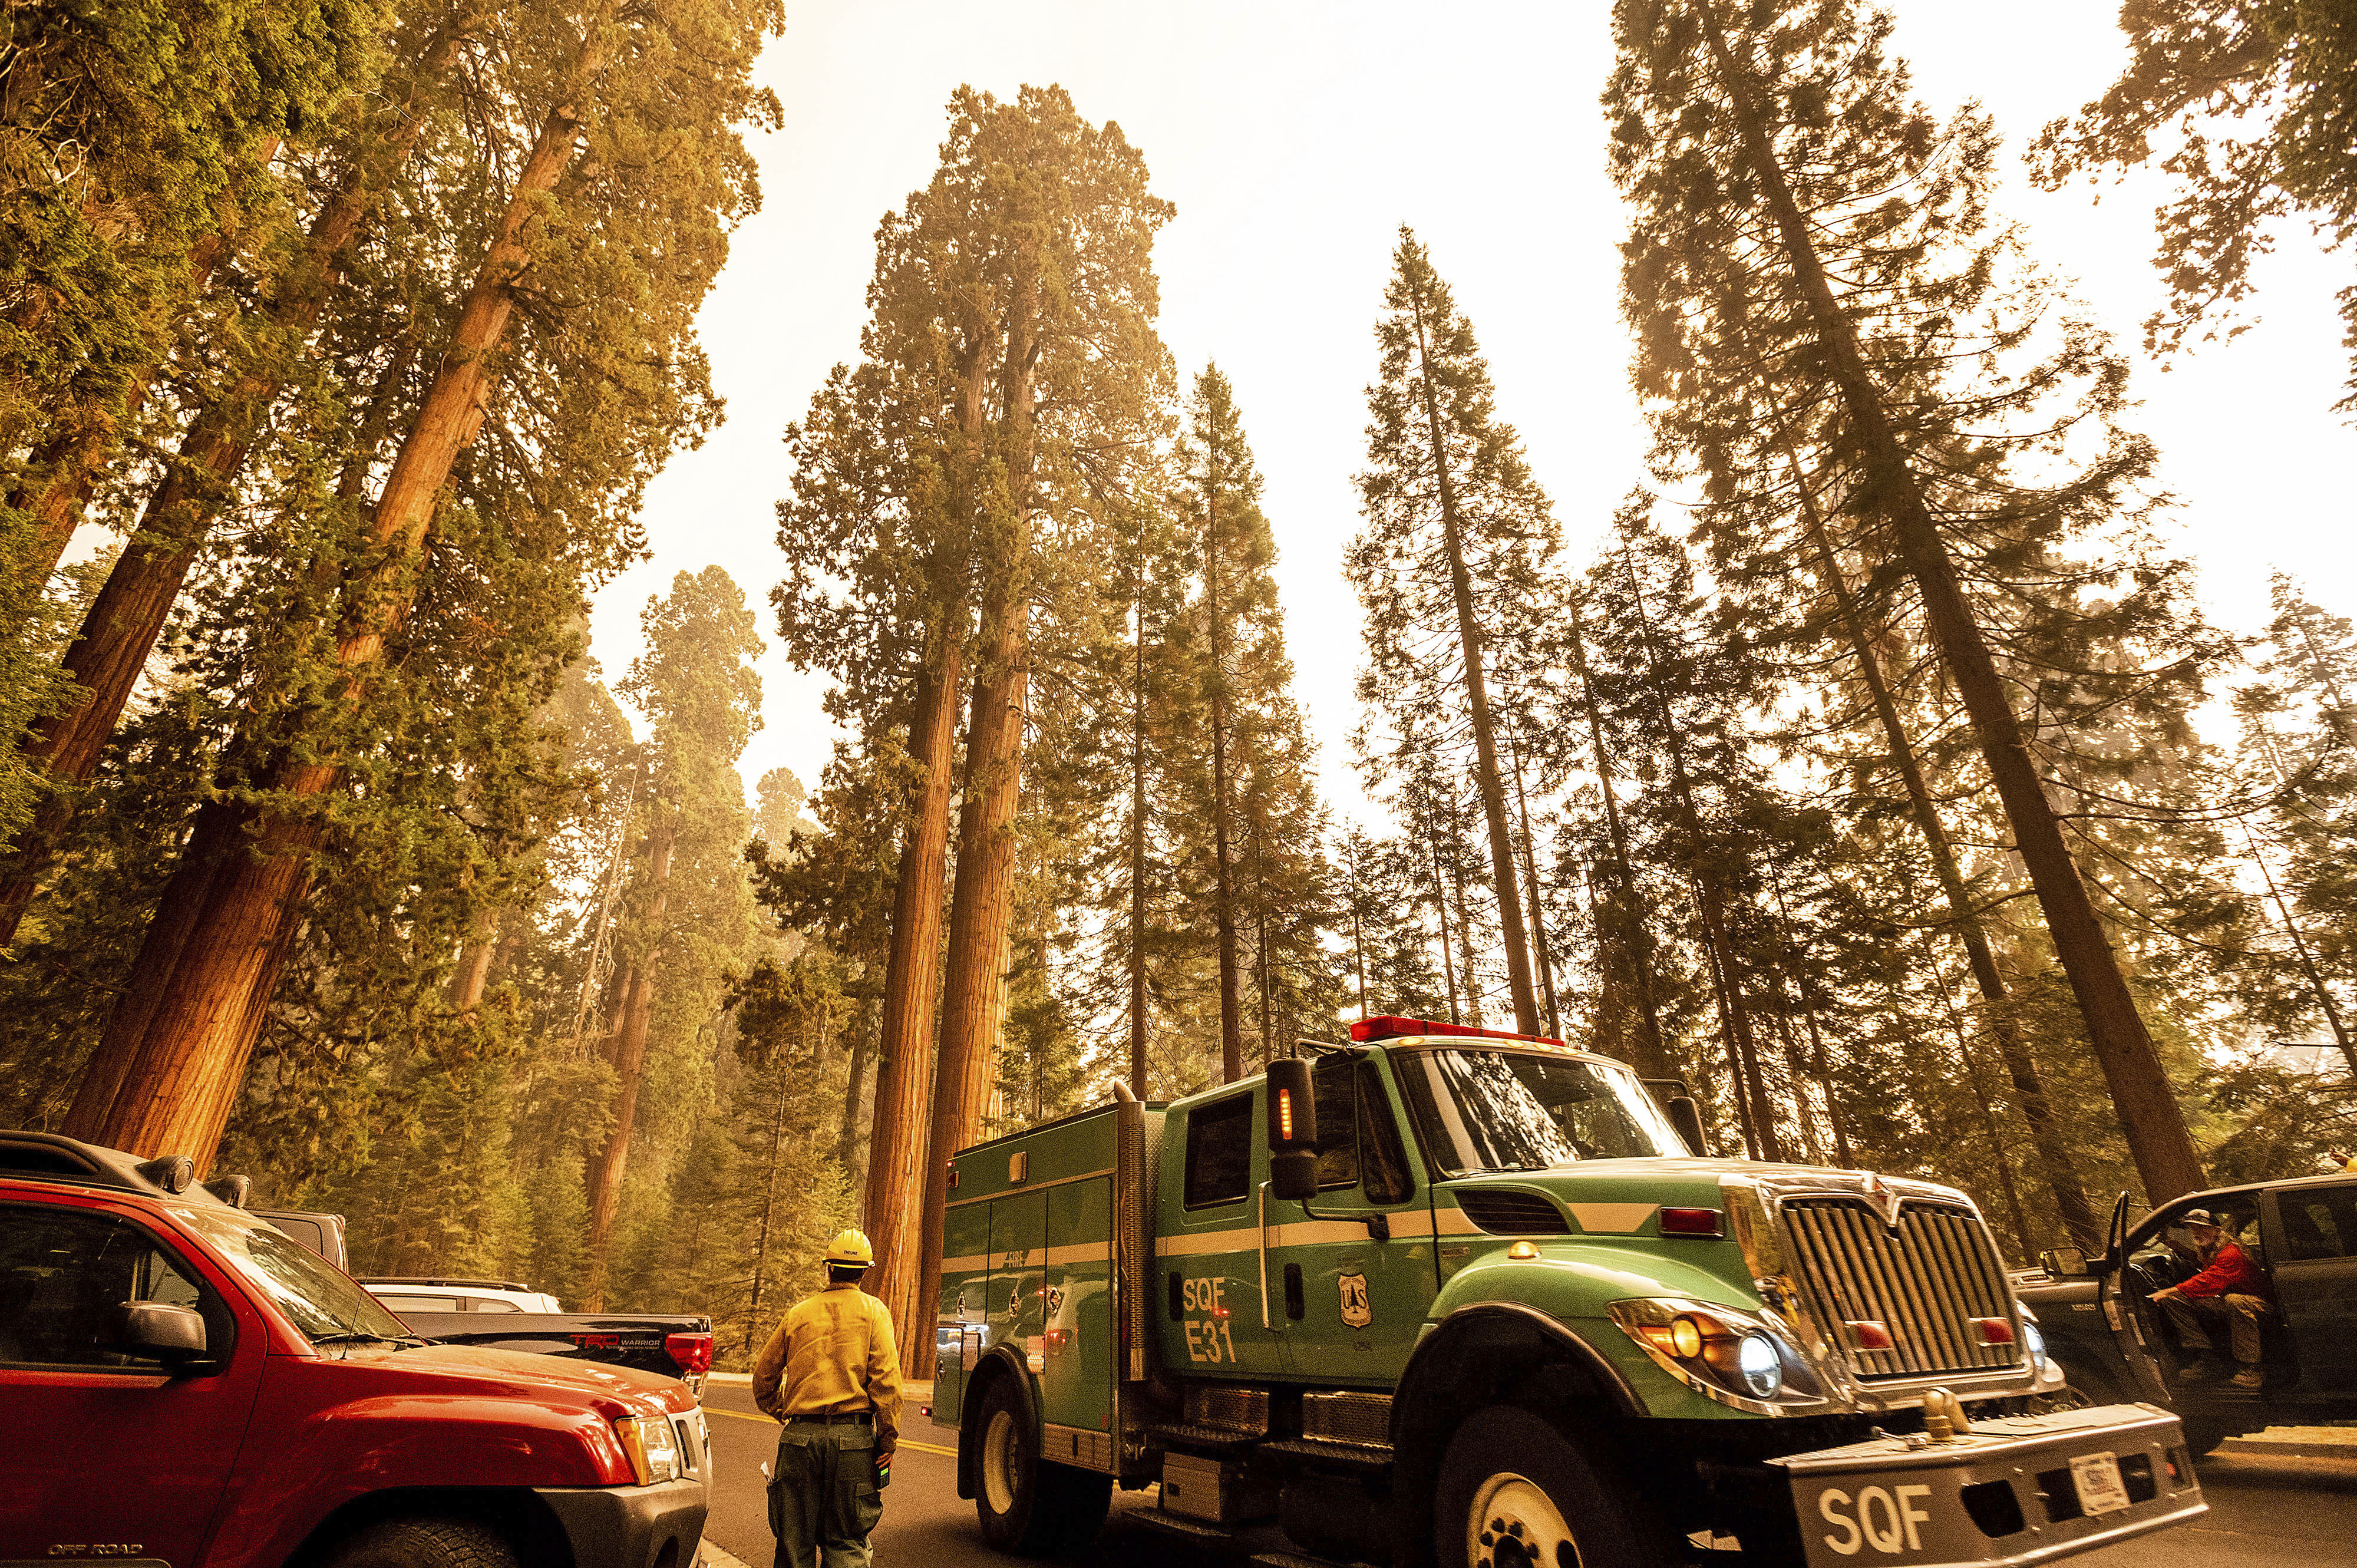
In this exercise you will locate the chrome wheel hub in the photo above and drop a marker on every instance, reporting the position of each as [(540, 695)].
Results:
[(1514, 1524)]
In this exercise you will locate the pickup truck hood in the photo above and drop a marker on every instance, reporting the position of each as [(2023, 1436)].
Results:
[(512, 1374)]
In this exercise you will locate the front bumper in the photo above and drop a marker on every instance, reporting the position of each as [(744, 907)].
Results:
[(658, 1526), (2006, 1494)]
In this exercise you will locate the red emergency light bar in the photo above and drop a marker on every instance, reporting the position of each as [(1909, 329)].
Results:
[(1391, 1027)]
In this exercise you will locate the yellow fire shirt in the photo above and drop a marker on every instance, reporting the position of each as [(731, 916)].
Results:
[(833, 1353)]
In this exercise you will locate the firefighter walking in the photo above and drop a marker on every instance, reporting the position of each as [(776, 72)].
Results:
[(832, 1376)]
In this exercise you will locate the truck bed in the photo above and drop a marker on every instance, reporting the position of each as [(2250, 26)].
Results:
[(621, 1340)]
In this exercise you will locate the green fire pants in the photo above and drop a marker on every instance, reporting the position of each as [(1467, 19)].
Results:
[(822, 1498)]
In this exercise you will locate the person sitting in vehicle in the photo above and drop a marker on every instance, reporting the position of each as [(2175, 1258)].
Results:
[(2230, 1289)]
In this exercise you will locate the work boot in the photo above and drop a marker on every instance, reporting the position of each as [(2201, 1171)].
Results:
[(2249, 1377), (2202, 1370)]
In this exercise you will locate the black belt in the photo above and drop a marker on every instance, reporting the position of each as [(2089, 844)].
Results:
[(846, 1418)]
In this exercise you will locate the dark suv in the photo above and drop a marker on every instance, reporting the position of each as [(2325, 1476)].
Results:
[(2103, 1329)]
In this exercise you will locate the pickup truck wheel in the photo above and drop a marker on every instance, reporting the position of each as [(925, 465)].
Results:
[(1516, 1493), (424, 1543)]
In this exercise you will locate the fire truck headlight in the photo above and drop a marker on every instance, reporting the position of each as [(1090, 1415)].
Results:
[(1762, 1367)]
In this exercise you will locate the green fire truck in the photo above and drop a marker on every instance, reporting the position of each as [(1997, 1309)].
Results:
[(1443, 1297)]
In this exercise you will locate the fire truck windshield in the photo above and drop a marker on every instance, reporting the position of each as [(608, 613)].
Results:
[(1509, 1111)]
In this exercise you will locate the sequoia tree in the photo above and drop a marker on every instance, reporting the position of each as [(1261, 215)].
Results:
[(636, 242)]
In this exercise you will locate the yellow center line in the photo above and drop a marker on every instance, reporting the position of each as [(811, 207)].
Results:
[(765, 1421)]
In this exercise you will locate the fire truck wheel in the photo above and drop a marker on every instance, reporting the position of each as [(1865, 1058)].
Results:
[(1026, 1506), (1511, 1487), (424, 1543)]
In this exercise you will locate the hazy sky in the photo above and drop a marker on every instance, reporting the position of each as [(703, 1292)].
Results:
[(1294, 139)]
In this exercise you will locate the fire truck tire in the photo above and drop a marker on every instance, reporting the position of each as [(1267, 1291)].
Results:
[(1515, 1493), (1029, 1507), (424, 1543)]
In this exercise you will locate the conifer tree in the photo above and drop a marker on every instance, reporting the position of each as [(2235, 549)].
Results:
[(118, 631), (169, 1065), (2257, 97), (1219, 488), (1010, 387), (1449, 501), (1784, 299), (702, 699)]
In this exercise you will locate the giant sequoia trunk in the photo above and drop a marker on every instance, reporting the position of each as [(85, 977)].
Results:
[(119, 630), (897, 1141), (1138, 844), (2046, 1136), (981, 897), (2148, 1108), (1485, 776), (627, 1056), (167, 1068)]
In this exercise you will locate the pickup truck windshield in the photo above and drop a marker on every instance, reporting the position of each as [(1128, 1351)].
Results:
[(1505, 1111), (315, 1296)]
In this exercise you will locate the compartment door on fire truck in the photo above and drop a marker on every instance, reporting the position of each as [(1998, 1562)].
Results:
[(1076, 1376), (964, 1304), (1015, 1297), (1352, 1302), (1208, 1246)]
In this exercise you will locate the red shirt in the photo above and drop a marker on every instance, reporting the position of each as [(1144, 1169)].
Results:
[(2231, 1273)]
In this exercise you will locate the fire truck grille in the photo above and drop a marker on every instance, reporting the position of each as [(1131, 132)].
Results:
[(1923, 1281)]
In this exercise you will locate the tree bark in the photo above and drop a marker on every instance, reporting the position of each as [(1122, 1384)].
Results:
[(897, 1145), (1223, 897), (1447, 959), (1137, 842), (2150, 1115), (1485, 776), (177, 1045), (119, 630), (2046, 1135), (603, 1174), (1538, 912), (982, 896)]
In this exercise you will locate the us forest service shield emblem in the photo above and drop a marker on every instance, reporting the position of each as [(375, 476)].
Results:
[(1356, 1312)]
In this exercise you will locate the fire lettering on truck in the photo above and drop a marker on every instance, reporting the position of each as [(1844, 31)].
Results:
[(1208, 1338)]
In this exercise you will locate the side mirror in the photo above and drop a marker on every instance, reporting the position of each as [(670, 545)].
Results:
[(1687, 1119), (170, 1334), (2065, 1262), (1292, 1131)]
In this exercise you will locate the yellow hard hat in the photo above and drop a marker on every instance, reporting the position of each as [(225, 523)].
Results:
[(851, 1249)]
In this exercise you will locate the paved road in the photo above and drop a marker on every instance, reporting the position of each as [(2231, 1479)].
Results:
[(2264, 1512)]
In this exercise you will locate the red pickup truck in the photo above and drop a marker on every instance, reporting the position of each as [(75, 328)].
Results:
[(184, 1387)]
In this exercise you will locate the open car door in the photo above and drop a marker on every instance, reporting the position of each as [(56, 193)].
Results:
[(2121, 1312)]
